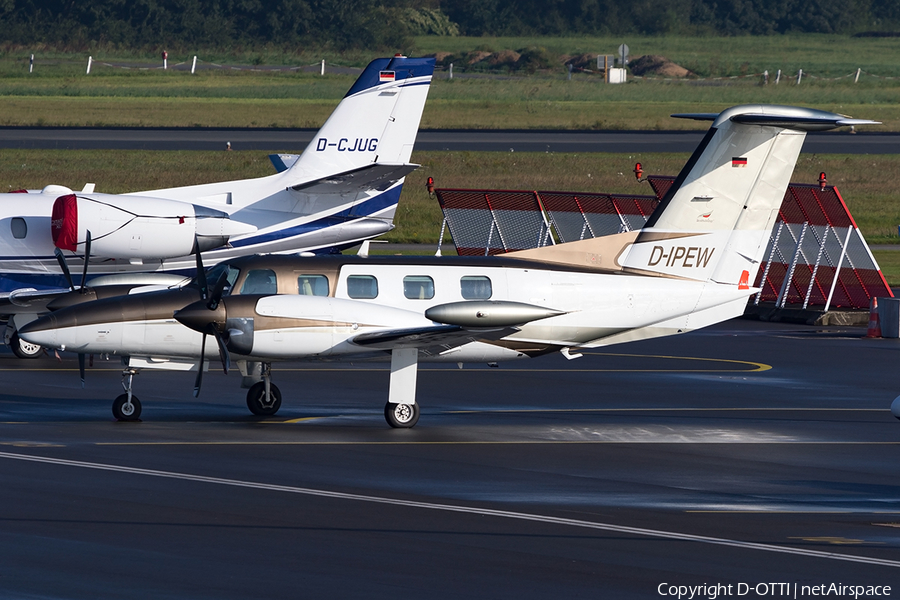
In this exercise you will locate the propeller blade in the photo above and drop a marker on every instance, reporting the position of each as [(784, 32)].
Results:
[(216, 295), (201, 275), (65, 267), (199, 380), (224, 356), (87, 257), (81, 368)]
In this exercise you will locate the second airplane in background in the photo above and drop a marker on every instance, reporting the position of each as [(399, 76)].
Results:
[(343, 188)]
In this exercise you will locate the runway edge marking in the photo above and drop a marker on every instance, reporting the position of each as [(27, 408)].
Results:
[(671, 535)]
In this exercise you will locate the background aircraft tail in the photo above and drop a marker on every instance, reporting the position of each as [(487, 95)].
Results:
[(376, 122), (714, 222)]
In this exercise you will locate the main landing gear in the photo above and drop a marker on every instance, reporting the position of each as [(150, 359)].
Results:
[(23, 349), (264, 397), (127, 407), (401, 410), (401, 416)]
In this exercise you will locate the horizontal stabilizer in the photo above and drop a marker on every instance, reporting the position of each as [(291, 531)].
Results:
[(283, 162), (799, 119), (374, 177)]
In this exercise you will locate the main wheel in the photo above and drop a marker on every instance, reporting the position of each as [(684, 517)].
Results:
[(261, 406), (123, 411), (401, 416), (24, 349)]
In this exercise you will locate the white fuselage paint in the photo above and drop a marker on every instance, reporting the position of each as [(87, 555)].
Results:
[(596, 306)]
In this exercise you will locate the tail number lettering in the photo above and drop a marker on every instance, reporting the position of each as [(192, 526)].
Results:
[(346, 145), (681, 256)]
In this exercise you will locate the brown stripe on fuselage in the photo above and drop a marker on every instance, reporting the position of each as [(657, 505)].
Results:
[(151, 306)]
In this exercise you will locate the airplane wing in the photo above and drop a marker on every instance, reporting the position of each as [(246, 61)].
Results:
[(433, 339), (373, 177)]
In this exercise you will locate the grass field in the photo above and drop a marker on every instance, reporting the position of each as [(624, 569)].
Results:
[(59, 92)]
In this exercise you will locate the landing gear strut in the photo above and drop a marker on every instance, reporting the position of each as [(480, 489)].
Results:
[(402, 410), (127, 407), (264, 397)]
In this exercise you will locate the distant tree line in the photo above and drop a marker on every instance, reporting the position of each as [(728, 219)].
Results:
[(344, 24)]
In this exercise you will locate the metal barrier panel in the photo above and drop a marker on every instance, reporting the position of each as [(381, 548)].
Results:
[(816, 255), (660, 184), (815, 238), (581, 216), (493, 221)]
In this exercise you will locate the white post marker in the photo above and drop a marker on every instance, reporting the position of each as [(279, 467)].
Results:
[(451, 70), (90, 60), (194, 65), (322, 72), (856, 79), (799, 76), (778, 77), (31, 64), (165, 57)]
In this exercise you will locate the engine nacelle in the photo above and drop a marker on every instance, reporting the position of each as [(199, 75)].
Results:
[(139, 227)]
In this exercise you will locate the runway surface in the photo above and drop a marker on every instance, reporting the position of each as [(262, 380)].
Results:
[(747, 453), (295, 140)]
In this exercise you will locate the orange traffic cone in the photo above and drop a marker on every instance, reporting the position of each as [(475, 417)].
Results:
[(874, 324)]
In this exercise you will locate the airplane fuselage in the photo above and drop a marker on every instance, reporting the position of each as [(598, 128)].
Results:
[(370, 295)]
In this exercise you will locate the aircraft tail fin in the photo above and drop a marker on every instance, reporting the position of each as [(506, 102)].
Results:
[(376, 122), (714, 222)]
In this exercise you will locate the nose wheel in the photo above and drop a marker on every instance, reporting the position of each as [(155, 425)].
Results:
[(127, 407), (264, 397)]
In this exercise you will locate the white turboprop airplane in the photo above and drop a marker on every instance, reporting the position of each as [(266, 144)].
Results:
[(344, 188), (689, 267)]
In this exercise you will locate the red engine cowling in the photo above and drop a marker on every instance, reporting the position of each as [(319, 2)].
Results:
[(138, 227), (64, 222)]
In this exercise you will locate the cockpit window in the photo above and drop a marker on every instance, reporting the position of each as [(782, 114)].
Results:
[(260, 281), (312, 285), (212, 276)]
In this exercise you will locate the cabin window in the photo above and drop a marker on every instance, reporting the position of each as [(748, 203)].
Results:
[(475, 287), (260, 281), (362, 287), (19, 228), (418, 287), (231, 275), (312, 285)]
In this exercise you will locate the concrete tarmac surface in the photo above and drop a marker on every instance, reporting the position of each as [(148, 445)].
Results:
[(748, 453)]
